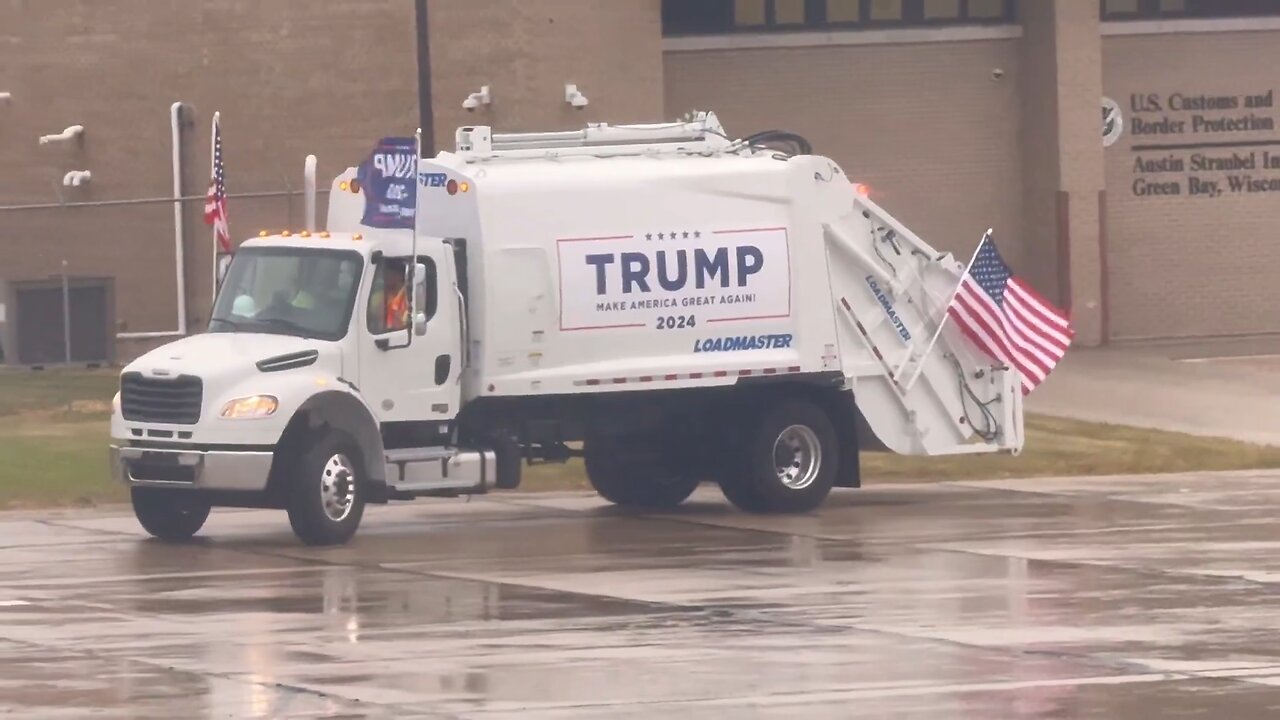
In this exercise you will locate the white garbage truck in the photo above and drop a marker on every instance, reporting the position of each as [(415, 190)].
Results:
[(671, 304)]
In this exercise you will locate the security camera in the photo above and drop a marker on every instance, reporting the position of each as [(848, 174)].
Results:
[(476, 99), (574, 97), (76, 178)]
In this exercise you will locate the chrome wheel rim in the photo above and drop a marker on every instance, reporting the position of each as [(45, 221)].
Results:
[(338, 488), (797, 457)]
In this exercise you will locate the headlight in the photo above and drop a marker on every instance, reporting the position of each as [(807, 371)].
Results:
[(254, 406)]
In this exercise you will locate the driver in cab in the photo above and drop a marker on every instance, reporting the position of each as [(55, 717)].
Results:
[(389, 300)]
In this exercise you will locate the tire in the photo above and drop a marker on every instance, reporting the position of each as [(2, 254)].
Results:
[(758, 481), (326, 493), (638, 473), (170, 515)]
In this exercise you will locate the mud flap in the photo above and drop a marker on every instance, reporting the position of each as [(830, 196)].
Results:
[(851, 429)]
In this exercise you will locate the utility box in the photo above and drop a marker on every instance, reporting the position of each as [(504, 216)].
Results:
[(57, 322)]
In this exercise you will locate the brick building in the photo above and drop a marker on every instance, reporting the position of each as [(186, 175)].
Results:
[(1125, 151)]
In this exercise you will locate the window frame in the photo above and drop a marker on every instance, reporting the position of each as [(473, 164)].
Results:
[(720, 19), (1193, 10), (432, 291)]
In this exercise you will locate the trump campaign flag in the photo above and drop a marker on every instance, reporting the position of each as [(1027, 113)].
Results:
[(1007, 320)]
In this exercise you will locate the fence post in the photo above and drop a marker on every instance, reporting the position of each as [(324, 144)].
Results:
[(66, 313)]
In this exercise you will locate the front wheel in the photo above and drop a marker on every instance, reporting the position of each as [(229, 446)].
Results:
[(326, 491), (170, 515), (788, 463)]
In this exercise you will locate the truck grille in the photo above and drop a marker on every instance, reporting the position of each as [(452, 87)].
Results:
[(174, 401)]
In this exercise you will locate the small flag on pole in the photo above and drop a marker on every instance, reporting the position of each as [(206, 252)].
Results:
[(215, 204), (1008, 320), (215, 207)]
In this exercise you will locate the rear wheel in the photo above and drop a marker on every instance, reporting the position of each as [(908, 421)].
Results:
[(788, 461), (170, 515), (326, 491), (643, 473)]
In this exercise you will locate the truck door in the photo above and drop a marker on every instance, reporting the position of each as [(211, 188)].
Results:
[(409, 371)]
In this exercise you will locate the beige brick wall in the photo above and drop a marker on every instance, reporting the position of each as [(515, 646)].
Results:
[(527, 50), (290, 78), (1192, 265), (924, 125)]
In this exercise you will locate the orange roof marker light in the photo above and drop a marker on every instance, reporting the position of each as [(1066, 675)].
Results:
[(305, 233), (285, 233), (862, 189), (357, 236), (464, 186), (262, 233), (324, 233)]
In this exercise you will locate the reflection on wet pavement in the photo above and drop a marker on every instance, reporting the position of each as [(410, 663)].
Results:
[(1124, 598)]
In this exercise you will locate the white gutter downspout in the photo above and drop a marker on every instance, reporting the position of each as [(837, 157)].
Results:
[(175, 124), (309, 191)]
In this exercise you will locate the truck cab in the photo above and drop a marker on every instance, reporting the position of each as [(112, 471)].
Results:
[(322, 350)]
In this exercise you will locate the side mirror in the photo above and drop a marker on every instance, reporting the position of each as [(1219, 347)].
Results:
[(419, 299)]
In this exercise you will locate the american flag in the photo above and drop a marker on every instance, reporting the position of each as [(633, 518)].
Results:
[(1008, 320), (215, 204)]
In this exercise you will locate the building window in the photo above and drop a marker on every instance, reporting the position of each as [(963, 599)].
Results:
[(1159, 9), (885, 10), (749, 13), (706, 17), (841, 12), (941, 9)]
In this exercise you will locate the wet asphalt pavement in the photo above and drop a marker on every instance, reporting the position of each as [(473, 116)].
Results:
[(1107, 598)]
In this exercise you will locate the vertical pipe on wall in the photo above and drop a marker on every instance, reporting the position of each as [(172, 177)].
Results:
[(309, 191), (1104, 272), (179, 232), (179, 229), (66, 314), (425, 123)]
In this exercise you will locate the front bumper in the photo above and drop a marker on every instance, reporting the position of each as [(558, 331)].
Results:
[(245, 471)]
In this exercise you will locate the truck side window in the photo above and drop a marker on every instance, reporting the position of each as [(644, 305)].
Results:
[(389, 296), (429, 307)]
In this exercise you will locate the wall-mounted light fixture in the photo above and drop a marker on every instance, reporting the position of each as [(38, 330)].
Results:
[(76, 178), (71, 133), (574, 97), (476, 99)]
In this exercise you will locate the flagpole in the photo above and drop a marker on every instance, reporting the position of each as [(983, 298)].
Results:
[(946, 313), (413, 244), (213, 134)]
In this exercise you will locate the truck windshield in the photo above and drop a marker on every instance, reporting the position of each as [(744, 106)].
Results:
[(289, 291)]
